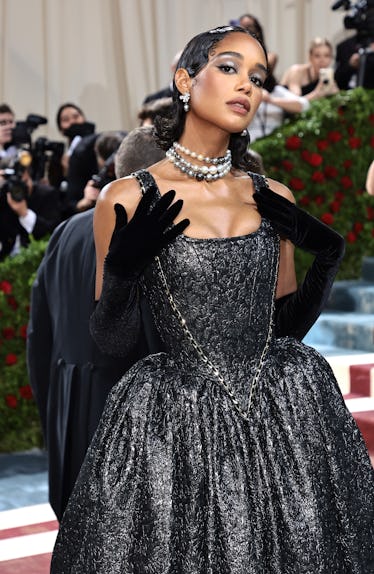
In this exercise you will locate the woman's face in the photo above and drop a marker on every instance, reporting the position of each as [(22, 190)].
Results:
[(228, 90), (320, 57), (70, 116)]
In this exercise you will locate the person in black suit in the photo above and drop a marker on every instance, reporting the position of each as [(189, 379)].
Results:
[(348, 61), (69, 375), (26, 208)]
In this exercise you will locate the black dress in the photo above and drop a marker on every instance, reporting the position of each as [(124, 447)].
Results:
[(232, 452)]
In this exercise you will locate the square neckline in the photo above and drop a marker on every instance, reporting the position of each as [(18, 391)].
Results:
[(182, 236)]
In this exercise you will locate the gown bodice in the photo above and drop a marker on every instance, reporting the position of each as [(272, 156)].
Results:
[(213, 300)]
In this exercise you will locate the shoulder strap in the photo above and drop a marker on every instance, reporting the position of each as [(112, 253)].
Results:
[(259, 180), (147, 182)]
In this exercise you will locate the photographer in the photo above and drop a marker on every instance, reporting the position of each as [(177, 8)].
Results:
[(105, 147), (354, 63), (26, 207)]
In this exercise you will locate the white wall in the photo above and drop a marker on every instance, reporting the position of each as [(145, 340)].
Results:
[(106, 55)]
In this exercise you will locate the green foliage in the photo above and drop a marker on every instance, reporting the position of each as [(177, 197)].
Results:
[(323, 157), (19, 419)]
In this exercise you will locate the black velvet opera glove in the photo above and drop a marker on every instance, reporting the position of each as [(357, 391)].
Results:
[(135, 243), (296, 313), (115, 323)]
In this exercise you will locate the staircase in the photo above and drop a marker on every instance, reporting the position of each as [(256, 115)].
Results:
[(344, 334)]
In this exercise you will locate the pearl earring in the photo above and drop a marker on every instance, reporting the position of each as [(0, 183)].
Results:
[(185, 99)]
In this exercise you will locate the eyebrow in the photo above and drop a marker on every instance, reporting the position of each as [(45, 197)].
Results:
[(240, 57)]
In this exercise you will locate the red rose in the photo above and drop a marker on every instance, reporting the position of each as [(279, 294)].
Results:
[(357, 227), (12, 303), (334, 136), (288, 165), (296, 184), (330, 171), (354, 143), (351, 237), (322, 145), (319, 199), (372, 141), (315, 159), (23, 331), (11, 401), (335, 206), (371, 119), (339, 195), (347, 164), (372, 232), (370, 213), (346, 182), (6, 287), (350, 130), (327, 218), (11, 359), (26, 392), (293, 142), (318, 177), (8, 333)]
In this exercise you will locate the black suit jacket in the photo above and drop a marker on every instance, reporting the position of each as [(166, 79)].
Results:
[(343, 71), (69, 375), (82, 166)]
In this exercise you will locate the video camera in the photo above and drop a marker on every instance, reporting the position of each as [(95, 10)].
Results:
[(361, 17), (13, 176), (42, 150)]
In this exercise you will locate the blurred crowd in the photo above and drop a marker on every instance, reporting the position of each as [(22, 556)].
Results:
[(44, 182)]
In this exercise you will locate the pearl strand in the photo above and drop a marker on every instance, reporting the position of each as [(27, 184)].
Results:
[(201, 173), (199, 156)]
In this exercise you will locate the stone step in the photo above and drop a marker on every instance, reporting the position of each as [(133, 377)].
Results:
[(353, 331), (352, 296), (367, 272)]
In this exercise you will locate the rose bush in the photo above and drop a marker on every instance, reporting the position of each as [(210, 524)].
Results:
[(323, 156), (19, 419)]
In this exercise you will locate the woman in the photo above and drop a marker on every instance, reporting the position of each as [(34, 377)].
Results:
[(232, 451), (304, 79)]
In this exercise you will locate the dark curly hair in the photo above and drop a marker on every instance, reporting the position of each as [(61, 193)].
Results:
[(194, 57)]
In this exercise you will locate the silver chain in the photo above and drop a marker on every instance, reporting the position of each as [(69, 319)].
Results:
[(208, 363)]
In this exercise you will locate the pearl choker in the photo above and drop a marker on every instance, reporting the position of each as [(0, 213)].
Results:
[(219, 168)]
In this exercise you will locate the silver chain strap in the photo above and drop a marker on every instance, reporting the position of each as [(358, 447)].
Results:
[(208, 363)]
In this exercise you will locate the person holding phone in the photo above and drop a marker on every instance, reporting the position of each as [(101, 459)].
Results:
[(307, 79)]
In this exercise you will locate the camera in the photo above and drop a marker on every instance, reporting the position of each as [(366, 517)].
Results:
[(106, 174), (42, 150), (361, 17), (13, 172)]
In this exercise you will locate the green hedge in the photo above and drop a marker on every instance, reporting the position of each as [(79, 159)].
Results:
[(19, 420), (323, 157)]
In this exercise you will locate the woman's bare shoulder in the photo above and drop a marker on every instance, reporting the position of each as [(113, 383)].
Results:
[(120, 190), (281, 189)]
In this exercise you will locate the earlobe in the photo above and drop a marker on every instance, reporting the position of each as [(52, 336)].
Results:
[(182, 80)]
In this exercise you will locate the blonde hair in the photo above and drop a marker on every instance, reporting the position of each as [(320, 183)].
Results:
[(317, 43)]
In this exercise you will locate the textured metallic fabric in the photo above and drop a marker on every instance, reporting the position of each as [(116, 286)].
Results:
[(183, 478)]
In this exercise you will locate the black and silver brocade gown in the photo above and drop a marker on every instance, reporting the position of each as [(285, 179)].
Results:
[(232, 452)]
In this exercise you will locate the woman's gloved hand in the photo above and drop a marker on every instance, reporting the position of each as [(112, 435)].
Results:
[(297, 312), (135, 243), (291, 222)]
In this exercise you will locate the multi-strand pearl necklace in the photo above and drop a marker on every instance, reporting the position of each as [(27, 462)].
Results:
[(219, 167)]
